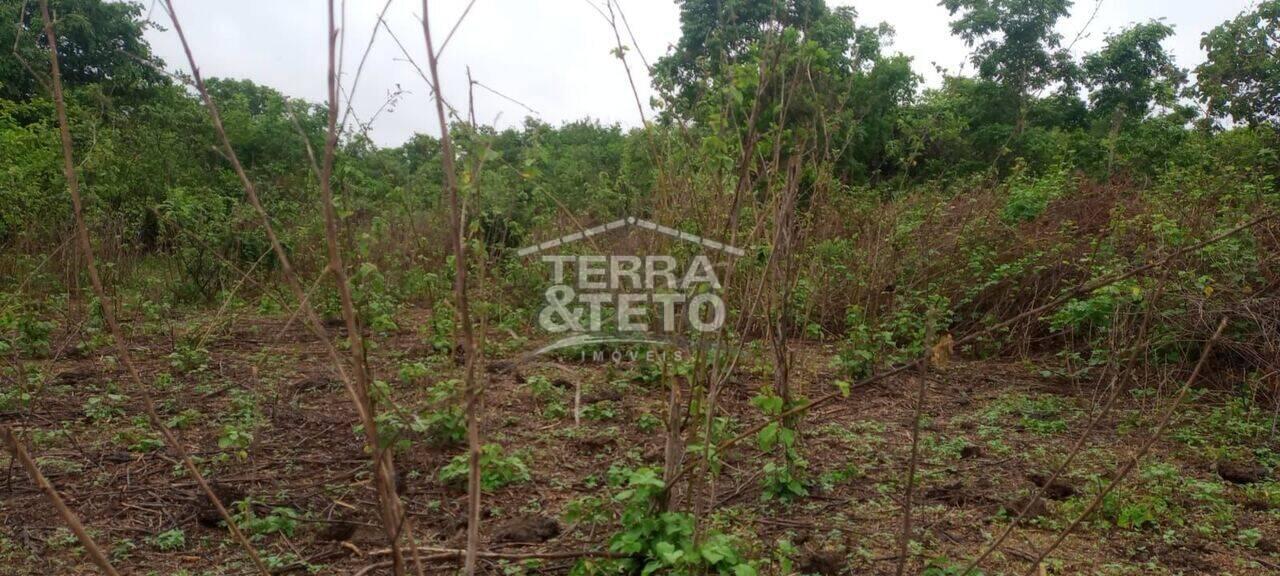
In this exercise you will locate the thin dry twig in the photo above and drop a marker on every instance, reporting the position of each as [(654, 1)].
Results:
[(355, 82), (212, 324), (359, 395), (505, 97), (384, 466), (453, 30), (107, 305), (469, 349), (632, 36), (17, 39), (621, 53), (922, 389)]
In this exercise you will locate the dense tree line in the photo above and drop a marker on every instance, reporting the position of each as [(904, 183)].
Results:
[(155, 184)]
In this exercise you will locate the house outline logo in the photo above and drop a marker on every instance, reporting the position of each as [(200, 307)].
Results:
[(624, 290), (625, 222)]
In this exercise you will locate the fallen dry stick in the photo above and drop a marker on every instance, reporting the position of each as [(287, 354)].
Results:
[(20, 454)]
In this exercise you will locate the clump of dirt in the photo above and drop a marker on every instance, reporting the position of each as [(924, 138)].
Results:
[(596, 442), (604, 395), (825, 562), (501, 367), (401, 482), (953, 494), (458, 523), (1192, 555), (1058, 489), (531, 528), (316, 382), (336, 531), (1034, 505), (118, 456), (1242, 472), (75, 376), (205, 512)]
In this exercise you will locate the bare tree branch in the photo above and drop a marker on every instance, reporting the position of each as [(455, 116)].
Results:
[(460, 293), (107, 305)]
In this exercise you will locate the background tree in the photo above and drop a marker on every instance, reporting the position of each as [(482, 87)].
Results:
[(1132, 72), (850, 97), (1128, 76), (98, 43), (1014, 43), (1240, 76), (717, 34)]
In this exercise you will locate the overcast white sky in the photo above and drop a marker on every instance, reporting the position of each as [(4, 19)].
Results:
[(553, 55)]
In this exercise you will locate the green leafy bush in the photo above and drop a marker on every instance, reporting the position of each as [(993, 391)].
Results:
[(445, 422), (279, 520), (781, 480), (1028, 197), (189, 357), (497, 469), (169, 540), (663, 542)]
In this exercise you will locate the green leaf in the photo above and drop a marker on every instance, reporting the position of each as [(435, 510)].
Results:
[(768, 437), (667, 552)]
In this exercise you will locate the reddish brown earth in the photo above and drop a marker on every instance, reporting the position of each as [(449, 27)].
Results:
[(1210, 517)]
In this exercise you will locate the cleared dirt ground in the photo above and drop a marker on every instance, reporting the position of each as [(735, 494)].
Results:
[(1201, 503)]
